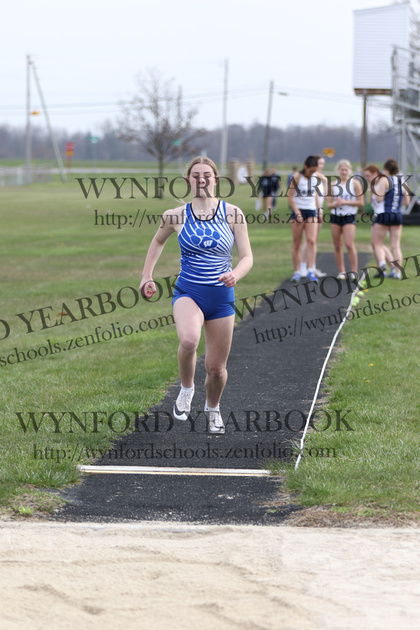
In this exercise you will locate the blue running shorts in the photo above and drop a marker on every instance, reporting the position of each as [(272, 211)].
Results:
[(214, 301)]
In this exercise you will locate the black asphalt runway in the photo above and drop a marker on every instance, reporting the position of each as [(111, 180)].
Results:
[(277, 355)]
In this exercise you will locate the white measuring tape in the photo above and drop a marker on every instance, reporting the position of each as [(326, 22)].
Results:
[(302, 441)]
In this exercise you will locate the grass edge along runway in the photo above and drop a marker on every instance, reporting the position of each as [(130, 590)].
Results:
[(372, 384), (53, 253)]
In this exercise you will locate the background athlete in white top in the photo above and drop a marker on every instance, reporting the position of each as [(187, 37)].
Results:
[(322, 189), (304, 203), (346, 198)]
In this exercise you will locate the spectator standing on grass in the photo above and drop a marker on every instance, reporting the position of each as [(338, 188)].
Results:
[(207, 229), (387, 197), (275, 183), (304, 203), (345, 199), (264, 190), (291, 175)]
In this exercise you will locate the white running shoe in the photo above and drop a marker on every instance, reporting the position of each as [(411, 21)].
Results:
[(341, 276), (319, 273), (215, 421), (182, 406)]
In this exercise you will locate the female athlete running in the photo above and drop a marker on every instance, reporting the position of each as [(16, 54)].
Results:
[(207, 229)]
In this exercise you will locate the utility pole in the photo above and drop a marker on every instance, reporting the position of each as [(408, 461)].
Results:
[(179, 124), (267, 127), (223, 151), (28, 121), (363, 155), (50, 131)]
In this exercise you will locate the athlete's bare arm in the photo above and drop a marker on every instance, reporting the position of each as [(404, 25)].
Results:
[(171, 221)]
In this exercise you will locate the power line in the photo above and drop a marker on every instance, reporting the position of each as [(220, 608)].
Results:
[(210, 97)]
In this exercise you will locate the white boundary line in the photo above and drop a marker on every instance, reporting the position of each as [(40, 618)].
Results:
[(167, 470), (302, 441)]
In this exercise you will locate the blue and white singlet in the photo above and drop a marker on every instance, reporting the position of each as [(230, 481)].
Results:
[(206, 247), (393, 195), (387, 210), (391, 203)]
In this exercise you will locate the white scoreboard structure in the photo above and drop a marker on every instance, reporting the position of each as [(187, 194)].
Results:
[(376, 33), (384, 65)]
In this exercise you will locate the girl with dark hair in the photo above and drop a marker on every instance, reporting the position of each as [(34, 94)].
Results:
[(304, 203), (387, 196), (322, 183)]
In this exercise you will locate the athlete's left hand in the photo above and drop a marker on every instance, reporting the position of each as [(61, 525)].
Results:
[(228, 278)]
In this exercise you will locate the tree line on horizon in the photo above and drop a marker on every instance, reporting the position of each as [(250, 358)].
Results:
[(289, 145)]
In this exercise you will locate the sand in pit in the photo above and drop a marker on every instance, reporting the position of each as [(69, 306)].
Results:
[(155, 576)]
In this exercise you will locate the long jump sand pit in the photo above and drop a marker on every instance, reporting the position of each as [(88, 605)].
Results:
[(168, 576)]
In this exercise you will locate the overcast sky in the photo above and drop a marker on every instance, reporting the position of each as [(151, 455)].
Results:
[(88, 53)]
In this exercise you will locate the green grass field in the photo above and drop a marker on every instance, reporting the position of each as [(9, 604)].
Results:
[(374, 374), (61, 274)]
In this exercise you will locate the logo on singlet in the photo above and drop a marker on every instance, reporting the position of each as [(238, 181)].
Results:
[(205, 237)]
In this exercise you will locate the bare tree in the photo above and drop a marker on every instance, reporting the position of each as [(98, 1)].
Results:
[(157, 119)]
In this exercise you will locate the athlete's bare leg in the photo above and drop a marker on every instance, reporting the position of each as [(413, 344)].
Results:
[(378, 235), (388, 256), (304, 245), (395, 242), (337, 237), (349, 232), (297, 229), (311, 232), (218, 334), (189, 320)]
